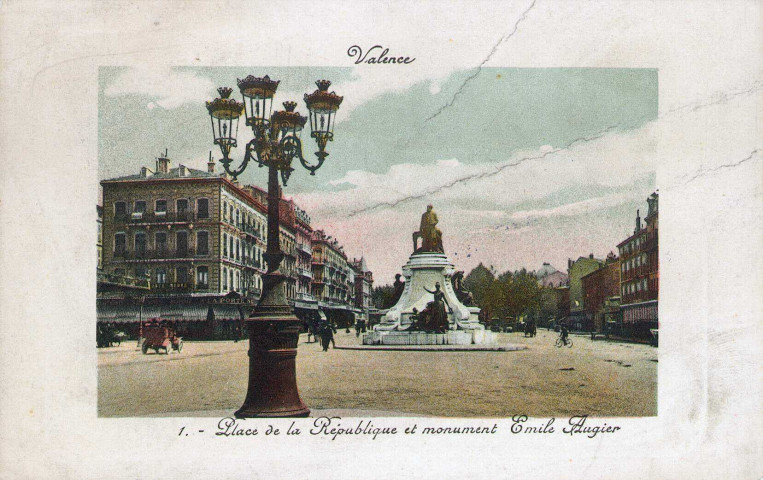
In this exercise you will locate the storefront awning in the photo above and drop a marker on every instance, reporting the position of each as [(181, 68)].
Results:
[(226, 312), (135, 314), (117, 313), (640, 312)]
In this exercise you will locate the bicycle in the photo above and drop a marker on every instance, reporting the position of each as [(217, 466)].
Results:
[(560, 342)]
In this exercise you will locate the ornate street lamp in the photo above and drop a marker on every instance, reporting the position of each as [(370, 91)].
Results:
[(273, 327)]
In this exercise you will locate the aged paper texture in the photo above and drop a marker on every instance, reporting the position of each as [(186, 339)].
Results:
[(496, 156)]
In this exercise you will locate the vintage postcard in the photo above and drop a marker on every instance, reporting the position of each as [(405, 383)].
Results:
[(267, 236)]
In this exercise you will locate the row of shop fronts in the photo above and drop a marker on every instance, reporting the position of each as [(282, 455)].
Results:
[(636, 321), (219, 317)]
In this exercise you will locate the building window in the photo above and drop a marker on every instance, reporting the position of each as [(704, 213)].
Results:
[(238, 216), (230, 278), (202, 208), (161, 276), (238, 249), (202, 243), (225, 211), (182, 275), (202, 276), (160, 207), (120, 209), (120, 244), (140, 207), (182, 209), (230, 246), (181, 244), (225, 279), (160, 240), (238, 281), (140, 245)]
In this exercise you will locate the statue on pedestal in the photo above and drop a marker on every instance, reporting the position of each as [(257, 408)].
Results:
[(430, 235), (437, 320)]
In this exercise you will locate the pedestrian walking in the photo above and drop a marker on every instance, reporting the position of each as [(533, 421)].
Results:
[(327, 336)]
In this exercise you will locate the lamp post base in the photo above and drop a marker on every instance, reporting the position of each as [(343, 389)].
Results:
[(272, 392)]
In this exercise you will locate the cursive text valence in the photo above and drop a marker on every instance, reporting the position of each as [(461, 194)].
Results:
[(375, 55)]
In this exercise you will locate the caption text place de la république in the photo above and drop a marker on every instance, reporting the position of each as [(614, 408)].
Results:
[(334, 427)]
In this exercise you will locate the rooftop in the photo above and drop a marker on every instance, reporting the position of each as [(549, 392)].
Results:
[(178, 172)]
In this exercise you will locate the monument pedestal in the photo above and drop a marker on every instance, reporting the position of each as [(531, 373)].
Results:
[(456, 337), (421, 273)]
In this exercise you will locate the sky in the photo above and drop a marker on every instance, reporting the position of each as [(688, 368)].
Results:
[(522, 165)]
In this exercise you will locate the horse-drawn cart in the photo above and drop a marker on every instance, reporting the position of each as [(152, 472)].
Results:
[(161, 337)]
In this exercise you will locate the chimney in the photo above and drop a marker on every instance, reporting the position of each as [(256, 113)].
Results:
[(163, 163), (638, 222), (211, 163), (182, 170)]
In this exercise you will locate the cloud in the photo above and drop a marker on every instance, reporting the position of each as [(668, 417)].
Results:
[(554, 205), (168, 88)]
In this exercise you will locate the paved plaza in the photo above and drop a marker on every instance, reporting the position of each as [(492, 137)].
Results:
[(598, 378)]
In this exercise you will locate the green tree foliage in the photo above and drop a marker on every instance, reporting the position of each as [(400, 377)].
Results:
[(508, 295), (383, 296)]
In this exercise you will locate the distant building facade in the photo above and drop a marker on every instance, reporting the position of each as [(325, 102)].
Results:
[(640, 274), (600, 289), (548, 276), (555, 295), (364, 283), (333, 280), (579, 318)]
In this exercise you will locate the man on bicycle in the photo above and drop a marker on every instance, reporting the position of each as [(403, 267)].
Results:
[(565, 333)]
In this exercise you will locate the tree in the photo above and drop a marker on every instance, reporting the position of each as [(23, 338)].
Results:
[(479, 281), (509, 295), (383, 296)]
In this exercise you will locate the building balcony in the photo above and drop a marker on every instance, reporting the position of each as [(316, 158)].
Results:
[(304, 296), (304, 248), (637, 297), (160, 254), (636, 272), (304, 272), (159, 217)]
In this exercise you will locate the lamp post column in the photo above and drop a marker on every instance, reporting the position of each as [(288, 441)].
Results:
[(273, 332)]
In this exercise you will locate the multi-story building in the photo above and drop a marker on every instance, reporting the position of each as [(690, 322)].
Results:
[(600, 289), (197, 236), (639, 274), (364, 282), (333, 280), (194, 240), (189, 230), (579, 318), (303, 241)]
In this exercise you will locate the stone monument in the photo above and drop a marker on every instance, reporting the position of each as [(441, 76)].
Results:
[(428, 311)]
